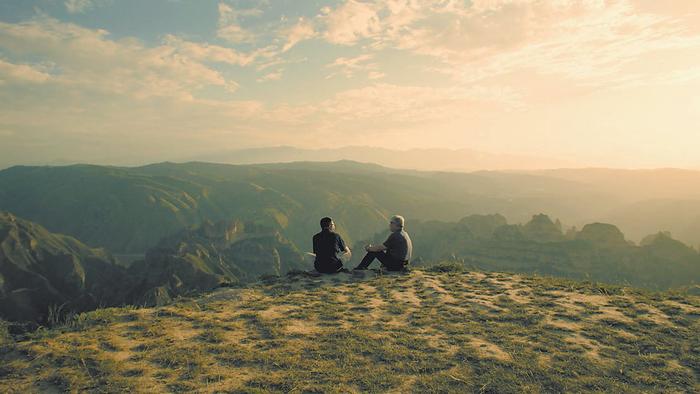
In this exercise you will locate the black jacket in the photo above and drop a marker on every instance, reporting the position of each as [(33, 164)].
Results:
[(327, 246)]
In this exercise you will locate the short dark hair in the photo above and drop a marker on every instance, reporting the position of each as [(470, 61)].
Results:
[(326, 222)]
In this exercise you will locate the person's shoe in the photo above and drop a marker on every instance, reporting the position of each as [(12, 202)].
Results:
[(359, 272)]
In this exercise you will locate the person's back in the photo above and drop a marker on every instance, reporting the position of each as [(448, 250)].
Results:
[(399, 246), (327, 246), (395, 253)]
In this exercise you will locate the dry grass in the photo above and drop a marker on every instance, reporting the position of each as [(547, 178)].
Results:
[(421, 332)]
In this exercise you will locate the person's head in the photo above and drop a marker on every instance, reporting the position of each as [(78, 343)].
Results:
[(327, 224), (396, 223)]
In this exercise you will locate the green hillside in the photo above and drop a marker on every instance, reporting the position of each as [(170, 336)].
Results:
[(597, 252), (423, 332), (208, 256), (164, 215), (45, 276), (42, 273), (128, 210)]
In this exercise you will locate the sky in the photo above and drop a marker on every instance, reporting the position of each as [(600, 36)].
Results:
[(611, 83)]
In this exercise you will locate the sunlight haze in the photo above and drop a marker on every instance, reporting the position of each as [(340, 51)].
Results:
[(562, 83), (349, 196)]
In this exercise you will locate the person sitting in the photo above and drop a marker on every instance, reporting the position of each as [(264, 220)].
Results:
[(395, 253), (328, 246)]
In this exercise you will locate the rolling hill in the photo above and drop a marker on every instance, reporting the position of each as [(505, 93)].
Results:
[(429, 331), (46, 276), (43, 273), (598, 251), (127, 210), (209, 256)]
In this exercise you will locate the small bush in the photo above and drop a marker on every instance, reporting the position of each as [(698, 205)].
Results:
[(447, 267)]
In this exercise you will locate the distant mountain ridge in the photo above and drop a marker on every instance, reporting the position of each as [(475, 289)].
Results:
[(129, 209), (427, 159)]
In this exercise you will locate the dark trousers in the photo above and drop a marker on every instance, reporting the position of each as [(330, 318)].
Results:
[(387, 261), (328, 267)]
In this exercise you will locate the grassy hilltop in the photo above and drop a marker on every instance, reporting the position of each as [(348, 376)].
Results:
[(428, 331)]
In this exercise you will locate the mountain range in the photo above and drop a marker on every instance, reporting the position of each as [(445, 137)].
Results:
[(597, 252), (129, 209), (435, 159), (192, 227), (45, 276), (43, 273)]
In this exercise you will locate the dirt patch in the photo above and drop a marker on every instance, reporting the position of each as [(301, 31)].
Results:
[(437, 286), (591, 347), (123, 346), (182, 332), (342, 298), (658, 317), (439, 341), (407, 295), (562, 324), (612, 313), (687, 309), (519, 295), (407, 383), (572, 298), (487, 349), (544, 361), (276, 312), (301, 327)]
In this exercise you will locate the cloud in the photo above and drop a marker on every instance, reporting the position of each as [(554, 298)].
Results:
[(273, 76), (459, 69), (229, 27), (351, 21), (599, 44), (302, 30), (583, 40), (88, 60), (270, 41), (376, 75), (207, 52), (235, 34), (78, 6), (13, 73), (349, 66), (400, 104)]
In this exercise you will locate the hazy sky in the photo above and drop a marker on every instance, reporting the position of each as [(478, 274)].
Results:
[(601, 82)]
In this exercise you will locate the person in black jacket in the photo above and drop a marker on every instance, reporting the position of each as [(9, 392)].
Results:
[(328, 246), (395, 253)]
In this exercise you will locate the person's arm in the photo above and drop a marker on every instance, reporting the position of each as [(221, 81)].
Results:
[(315, 241), (342, 247), (380, 247), (375, 248)]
